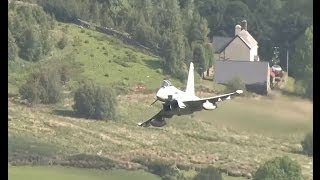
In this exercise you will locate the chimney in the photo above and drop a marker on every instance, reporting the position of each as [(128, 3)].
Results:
[(237, 29), (244, 24)]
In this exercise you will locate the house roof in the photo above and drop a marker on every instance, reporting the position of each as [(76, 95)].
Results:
[(220, 42), (251, 72), (247, 38)]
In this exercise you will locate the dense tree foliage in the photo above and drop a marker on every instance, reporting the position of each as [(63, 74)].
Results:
[(43, 86), (279, 168), (93, 101), (209, 173), (302, 62), (179, 30), (28, 29)]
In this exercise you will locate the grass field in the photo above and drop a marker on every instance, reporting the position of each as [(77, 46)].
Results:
[(68, 173), (237, 137)]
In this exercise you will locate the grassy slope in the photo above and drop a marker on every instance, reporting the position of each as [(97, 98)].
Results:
[(63, 173), (99, 55), (239, 135)]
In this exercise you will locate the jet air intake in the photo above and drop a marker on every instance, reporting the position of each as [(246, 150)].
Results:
[(209, 106)]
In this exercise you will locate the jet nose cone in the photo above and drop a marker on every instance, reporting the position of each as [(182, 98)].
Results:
[(161, 94)]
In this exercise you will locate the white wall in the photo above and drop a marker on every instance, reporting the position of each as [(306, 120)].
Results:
[(253, 52)]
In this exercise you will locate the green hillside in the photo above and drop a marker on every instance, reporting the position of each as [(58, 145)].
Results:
[(102, 59)]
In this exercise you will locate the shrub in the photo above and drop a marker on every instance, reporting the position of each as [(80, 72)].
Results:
[(63, 42), (307, 144), (159, 71), (209, 173), (279, 168), (30, 92), (166, 170), (68, 69), (122, 62), (299, 87), (43, 86), (89, 161), (235, 84), (92, 101), (160, 168)]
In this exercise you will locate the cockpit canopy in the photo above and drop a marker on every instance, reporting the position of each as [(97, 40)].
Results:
[(165, 83)]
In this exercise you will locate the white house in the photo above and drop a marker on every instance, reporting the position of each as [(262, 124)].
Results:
[(255, 75), (238, 57), (241, 47)]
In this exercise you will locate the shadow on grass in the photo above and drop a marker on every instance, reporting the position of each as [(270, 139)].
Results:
[(153, 63), (66, 113), (72, 114)]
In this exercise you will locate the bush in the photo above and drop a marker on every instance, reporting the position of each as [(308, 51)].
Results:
[(43, 86), (235, 84), (279, 168), (88, 161), (209, 173), (161, 168), (63, 42), (307, 144), (166, 170), (299, 87), (92, 101), (68, 69)]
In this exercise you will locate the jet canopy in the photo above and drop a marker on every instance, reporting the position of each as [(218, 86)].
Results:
[(165, 83)]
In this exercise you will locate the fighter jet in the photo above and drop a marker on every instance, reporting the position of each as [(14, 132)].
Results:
[(178, 102)]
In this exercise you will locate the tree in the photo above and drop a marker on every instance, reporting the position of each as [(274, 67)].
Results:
[(209, 173), (43, 86), (235, 12), (198, 30), (213, 11), (281, 168), (199, 58), (210, 56), (31, 48), (12, 47), (93, 101), (302, 61), (29, 26)]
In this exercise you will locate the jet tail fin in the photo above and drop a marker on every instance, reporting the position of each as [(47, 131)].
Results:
[(190, 83)]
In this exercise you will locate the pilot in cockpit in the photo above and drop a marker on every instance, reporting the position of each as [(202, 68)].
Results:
[(165, 83)]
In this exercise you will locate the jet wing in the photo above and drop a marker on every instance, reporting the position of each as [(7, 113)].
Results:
[(147, 123), (212, 99)]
